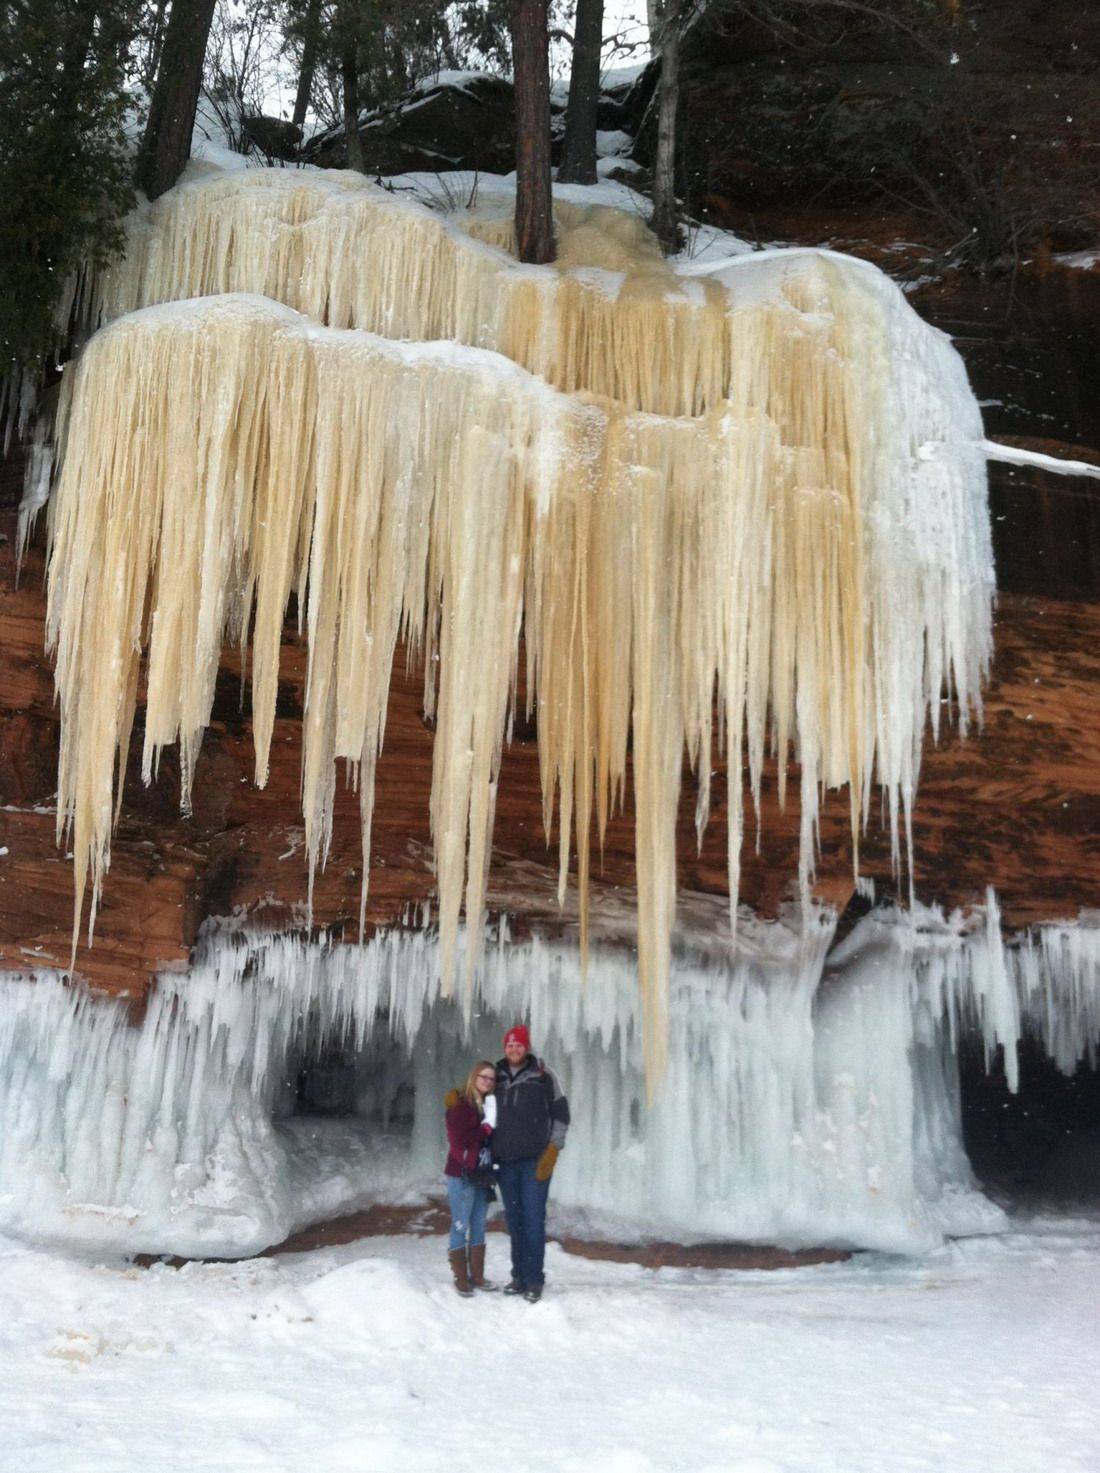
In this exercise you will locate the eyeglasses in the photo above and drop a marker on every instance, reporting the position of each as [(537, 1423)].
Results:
[(488, 1076)]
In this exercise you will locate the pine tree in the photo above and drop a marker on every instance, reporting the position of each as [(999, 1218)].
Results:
[(64, 174)]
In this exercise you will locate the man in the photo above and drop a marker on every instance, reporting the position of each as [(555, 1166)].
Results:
[(532, 1119)]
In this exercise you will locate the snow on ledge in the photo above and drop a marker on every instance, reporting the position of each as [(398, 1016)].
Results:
[(1014, 455)]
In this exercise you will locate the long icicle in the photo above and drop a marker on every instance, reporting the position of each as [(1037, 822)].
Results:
[(796, 553)]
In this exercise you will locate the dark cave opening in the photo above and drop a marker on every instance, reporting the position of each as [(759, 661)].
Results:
[(330, 1078), (1040, 1144)]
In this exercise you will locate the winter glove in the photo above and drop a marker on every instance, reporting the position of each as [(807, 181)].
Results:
[(544, 1169), (451, 1098)]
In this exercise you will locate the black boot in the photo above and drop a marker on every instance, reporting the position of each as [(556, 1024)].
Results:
[(533, 1294), (515, 1287)]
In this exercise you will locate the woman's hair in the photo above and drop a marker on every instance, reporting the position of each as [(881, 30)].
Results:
[(470, 1092)]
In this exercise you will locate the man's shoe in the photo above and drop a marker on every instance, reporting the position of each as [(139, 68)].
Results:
[(515, 1287), (534, 1294)]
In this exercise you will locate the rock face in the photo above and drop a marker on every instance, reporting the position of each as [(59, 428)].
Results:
[(463, 122), (274, 137), (1016, 806), (984, 116)]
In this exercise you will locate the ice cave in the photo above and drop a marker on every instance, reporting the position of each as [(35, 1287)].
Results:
[(658, 523)]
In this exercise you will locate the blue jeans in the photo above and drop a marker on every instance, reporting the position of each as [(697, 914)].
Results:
[(524, 1201), (469, 1204)]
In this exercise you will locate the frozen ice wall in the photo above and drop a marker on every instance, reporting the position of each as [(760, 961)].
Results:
[(804, 1103), (738, 509)]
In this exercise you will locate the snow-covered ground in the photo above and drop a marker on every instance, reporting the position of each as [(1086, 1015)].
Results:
[(981, 1356)]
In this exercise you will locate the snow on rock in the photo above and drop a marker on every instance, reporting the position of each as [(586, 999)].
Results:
[(1079, 260), (1016, 455), (606, 167), (615, 79), (805, 1103), (448, 78), (612, 142)]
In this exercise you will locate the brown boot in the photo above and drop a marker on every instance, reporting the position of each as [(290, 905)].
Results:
[(477, 1270), (458, 1268)]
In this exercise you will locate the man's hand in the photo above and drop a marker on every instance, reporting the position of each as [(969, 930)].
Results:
[(451, 1098), (544, 1169)]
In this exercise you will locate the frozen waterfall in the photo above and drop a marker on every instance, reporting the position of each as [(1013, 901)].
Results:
[(807, 1101)]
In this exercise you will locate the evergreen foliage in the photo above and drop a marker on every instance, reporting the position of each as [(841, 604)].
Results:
[(64, 171)]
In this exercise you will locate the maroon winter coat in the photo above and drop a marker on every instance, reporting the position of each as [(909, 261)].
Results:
[(466, 1134)]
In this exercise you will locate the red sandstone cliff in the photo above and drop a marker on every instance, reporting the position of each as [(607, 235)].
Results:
[(1016, 806)]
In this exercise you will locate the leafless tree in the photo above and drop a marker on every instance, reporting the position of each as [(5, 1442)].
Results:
[(670, 21), (242, 65), (347, 21), (151, 43)]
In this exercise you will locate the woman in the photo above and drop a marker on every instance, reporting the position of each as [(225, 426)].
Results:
[(469, 1125)]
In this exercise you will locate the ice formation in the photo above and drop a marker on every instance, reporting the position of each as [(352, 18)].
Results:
[(349, 253), (752, 501), (809, 1102), (1015, 455)]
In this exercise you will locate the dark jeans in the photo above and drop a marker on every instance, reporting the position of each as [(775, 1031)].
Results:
[(524, 1201)]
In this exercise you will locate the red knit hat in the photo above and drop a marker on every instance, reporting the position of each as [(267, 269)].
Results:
[(518, 1034)]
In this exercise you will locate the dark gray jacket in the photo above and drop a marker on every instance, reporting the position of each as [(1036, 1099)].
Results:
[(532, 1111)]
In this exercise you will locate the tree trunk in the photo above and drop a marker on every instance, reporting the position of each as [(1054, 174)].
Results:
[(531, 67), (665, 220), (78, 41), (311, 35), (166, 146), (393, 60), (156, 42), (578, 164), (447, 42), (349, 71)]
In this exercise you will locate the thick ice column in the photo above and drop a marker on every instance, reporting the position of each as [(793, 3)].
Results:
[(889, 1116)]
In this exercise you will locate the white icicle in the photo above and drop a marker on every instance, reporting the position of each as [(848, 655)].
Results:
[(805, 1104)]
